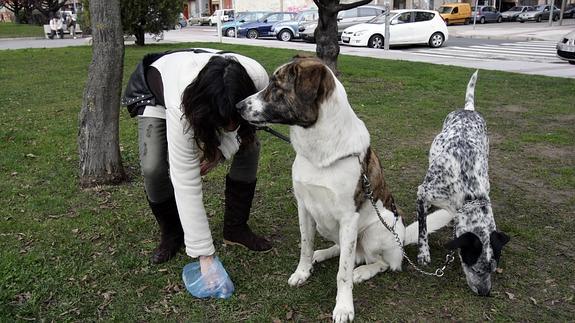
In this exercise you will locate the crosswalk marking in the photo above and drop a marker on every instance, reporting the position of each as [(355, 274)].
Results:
[(538, 51)]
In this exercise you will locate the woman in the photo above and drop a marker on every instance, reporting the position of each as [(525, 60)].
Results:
[(185, 103)]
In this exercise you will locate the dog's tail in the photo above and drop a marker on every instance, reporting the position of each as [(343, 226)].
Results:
[(435, 221), (470, 94)]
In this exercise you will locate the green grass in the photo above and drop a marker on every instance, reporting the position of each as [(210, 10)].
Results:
[(12, 30), (82, 255)]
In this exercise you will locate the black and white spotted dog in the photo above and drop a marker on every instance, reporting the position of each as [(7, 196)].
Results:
[(457, 181)]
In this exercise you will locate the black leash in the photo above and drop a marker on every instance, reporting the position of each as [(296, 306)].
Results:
[(275, 133)]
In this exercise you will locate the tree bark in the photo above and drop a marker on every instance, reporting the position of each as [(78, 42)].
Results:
[(98, 135), (327, 45)]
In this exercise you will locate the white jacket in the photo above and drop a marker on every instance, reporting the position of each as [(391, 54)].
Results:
[(56, 24), (178, 70)]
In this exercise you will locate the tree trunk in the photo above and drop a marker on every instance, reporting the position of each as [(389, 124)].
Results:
[(325, 34), (139, 36), (327, 45), (98, 136)]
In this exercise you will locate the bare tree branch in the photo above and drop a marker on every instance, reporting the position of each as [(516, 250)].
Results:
[(319, 4), (346, 6)]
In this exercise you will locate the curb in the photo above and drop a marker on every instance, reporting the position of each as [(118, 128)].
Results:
[(519, 38), (23, 38)]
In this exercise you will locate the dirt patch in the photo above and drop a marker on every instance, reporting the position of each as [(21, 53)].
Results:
[(551, 152), (511, 108)]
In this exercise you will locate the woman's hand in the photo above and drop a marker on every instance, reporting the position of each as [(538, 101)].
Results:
[(207, 166)]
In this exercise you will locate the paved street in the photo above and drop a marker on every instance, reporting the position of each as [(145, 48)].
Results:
[(540, 51), (527, 48)]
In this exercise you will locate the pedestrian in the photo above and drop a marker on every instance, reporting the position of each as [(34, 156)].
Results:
[(71, 24), (56, 27), (187, 125)]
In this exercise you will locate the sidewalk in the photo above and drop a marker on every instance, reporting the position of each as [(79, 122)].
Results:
[(521, 31)]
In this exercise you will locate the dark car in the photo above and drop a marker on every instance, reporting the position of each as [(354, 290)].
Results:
[(262, 27), (539, 13), (514, 12), (486, 14), (569, 11)]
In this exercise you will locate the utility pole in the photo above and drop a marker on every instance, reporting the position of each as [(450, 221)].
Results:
[(474, 13), (561, 14), (551, 13), (386, 36)]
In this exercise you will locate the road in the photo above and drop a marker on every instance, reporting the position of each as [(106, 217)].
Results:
[(512, 47), (507, 47)]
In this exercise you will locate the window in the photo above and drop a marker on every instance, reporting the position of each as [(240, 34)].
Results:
[(310, 16), (404, 17), (423, 16), (455, 10), (366, 12), (274, 18), (351, 13)]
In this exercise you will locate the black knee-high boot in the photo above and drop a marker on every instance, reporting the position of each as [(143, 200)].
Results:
[(172, 234), (239, 196)]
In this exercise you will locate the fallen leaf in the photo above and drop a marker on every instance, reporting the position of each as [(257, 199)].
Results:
[(276, 320), (31, 156), (533, 300), (75, 230), (289, 315), (499, 270), (510, 295)]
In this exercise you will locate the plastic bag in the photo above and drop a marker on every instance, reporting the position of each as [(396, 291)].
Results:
[(216, 283)]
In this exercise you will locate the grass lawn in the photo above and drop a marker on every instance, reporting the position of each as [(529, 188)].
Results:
[(74, 255), (12, 30)]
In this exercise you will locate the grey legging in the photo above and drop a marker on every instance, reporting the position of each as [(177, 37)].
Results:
[(154, 160)]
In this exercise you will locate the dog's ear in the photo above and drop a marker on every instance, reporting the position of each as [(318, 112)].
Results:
[(470, 247), (497, 240), (313, 80)]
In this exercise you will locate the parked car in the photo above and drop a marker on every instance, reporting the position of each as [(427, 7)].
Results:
[(408, 26), (566, 48), (486, 14), (514, 12), (288, 30), (345, 19), (262, 27), (182, 22), (225, 15), (455, 13), (538, 13), (202, 19), (569, 11), (229, 28)]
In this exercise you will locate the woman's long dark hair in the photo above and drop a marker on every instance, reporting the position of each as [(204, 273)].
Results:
[(209, 102)]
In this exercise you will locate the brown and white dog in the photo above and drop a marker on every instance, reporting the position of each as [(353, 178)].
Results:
[(332, 151)]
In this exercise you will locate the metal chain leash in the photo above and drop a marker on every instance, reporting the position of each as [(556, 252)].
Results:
[(439, 272)]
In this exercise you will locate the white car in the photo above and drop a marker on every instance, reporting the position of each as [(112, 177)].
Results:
[(225, 15), (409, 26), (566, 48)]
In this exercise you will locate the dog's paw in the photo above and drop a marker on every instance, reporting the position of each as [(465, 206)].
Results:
[(299, 277), (361, 274), (343, 313), (423, 258)]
